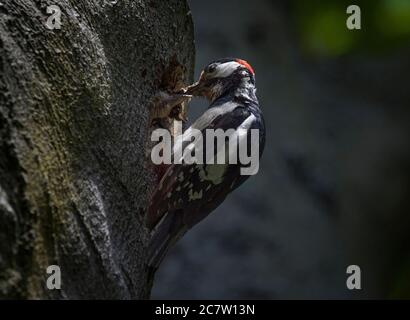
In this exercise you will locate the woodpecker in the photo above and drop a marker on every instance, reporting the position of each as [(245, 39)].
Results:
[(187, 193)]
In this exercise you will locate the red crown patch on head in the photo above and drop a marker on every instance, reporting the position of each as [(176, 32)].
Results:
[(246, 65)]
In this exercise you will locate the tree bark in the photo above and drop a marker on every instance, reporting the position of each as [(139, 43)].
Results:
[(74, 183)]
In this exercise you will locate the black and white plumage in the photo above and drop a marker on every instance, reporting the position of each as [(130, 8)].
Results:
[(187, 193)]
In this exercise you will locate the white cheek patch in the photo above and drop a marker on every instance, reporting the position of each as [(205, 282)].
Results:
[(225, 69)]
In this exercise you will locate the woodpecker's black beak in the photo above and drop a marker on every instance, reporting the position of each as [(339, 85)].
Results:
[(196, 89)]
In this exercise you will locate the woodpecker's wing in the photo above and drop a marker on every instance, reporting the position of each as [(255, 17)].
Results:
[(187, 193), (193, 185)]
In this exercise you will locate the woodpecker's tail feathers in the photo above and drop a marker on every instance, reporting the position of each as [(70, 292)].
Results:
[(167, 232)]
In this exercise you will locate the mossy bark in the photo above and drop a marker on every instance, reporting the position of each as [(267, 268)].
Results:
[(73, 123)]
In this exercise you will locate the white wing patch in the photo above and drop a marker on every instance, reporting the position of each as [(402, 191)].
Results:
[(194, 195), (201, 123), (211, 114), (247, 123), (214, 173)]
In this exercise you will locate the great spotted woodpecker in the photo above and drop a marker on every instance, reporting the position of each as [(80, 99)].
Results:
[(187, 193)]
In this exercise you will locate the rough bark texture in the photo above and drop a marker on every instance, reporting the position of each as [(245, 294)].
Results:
[(73, 122)]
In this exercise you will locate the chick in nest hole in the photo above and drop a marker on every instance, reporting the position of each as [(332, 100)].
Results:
[(167, 107)]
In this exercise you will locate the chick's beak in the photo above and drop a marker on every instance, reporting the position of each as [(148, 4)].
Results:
[(165, 100), (179, 98)]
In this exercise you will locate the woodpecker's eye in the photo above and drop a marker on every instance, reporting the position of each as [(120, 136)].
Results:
[(211, 68)]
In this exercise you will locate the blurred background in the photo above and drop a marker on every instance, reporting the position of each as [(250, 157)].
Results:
[(333, 188)]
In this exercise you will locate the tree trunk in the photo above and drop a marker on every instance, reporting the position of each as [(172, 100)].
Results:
[(74, 182)]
